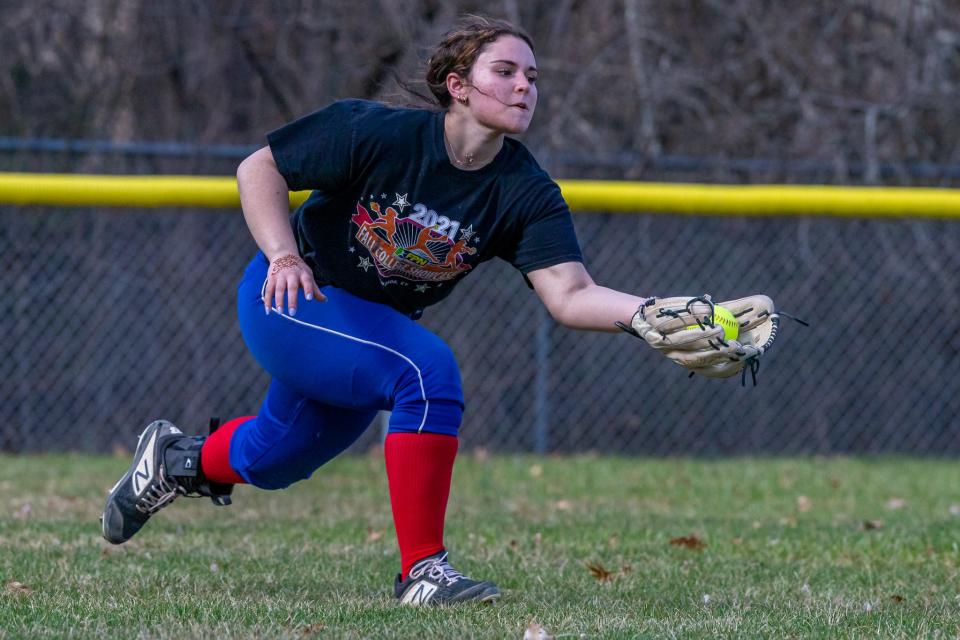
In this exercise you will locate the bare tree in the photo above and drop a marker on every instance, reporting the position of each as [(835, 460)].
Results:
[(851, 82)]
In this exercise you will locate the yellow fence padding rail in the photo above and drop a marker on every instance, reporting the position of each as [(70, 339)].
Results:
[(75, 190)]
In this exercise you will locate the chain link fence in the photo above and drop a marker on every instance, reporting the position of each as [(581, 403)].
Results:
[(115, 318)]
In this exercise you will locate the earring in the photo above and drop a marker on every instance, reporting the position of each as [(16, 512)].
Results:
[(462, 99)]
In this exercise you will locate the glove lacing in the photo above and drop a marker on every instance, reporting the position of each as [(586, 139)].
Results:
[(752, 363)]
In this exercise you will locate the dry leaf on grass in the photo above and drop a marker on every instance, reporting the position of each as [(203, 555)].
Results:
[(535, 632), (897, 598), (373, 536), (311, 630), (18, 587), (803, 504), (600, 572), (689, 542), (871, 525)]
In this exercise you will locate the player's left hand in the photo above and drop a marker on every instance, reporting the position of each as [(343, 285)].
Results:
[(684, 330)]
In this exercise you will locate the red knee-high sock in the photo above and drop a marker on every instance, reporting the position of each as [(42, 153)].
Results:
[(419, 468), (215, 454)]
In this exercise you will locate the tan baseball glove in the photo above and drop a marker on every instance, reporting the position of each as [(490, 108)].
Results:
[(684, 330)]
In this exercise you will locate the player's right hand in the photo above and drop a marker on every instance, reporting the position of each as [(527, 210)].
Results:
[(285, 276)]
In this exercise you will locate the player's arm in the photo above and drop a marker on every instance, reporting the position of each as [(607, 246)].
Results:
[(266, 209), (576, 301), (684, 329)]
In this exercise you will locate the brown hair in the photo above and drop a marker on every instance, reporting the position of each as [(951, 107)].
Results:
[(459, 49)]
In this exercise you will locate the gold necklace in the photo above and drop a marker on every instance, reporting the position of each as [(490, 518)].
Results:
[(468, 157)]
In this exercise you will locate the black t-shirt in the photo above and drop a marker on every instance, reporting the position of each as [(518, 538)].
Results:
[(390, 218)]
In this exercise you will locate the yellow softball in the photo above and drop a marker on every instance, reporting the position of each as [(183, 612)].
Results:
[(723, 317)]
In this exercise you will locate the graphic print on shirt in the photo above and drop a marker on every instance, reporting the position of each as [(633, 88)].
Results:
[(422, 247)]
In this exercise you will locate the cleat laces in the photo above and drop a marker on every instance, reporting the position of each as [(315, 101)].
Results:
[(437, 569), (158, 495)]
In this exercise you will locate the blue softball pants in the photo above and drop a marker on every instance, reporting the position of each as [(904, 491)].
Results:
[(333, 367)]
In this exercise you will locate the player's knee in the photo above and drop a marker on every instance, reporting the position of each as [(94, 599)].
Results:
[(429, 397), (435, 373)]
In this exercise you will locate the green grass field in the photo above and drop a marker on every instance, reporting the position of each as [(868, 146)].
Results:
[(823, 548)]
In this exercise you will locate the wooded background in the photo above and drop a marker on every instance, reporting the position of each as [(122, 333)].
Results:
[(855, 85), (123, 316)]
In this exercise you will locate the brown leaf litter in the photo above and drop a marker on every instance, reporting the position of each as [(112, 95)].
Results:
[(689, 542)]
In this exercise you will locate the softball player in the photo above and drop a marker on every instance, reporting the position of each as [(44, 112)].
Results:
[(405, 204)]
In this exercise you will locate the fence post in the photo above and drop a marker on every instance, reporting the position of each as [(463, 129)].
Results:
[(541, 391)]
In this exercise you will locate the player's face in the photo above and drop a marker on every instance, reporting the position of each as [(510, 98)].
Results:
[(503, 95)]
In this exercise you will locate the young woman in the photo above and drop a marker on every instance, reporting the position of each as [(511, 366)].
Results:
[(405, 204)]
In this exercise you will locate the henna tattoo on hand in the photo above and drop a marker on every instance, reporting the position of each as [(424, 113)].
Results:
[(285, 262)]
